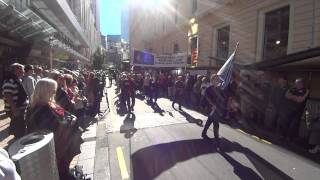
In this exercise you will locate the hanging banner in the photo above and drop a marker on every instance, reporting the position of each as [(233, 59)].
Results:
[(141, 58), (147, 59)]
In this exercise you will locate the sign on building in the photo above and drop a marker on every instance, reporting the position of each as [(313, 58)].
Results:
[(141, 58)]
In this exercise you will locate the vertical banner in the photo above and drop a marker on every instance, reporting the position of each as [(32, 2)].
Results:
[(194, 51)]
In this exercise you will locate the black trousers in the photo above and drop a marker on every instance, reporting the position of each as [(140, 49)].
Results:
[(130, 101), (177, 99), (212, 119), (17, 123)]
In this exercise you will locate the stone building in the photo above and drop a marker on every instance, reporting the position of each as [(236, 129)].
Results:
[(275, 36)]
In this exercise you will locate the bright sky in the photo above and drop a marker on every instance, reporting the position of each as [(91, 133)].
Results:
[(110, 16)]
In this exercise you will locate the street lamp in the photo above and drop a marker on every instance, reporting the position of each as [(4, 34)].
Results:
[(50, 54)]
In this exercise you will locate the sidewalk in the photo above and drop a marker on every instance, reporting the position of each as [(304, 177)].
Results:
[(87, 158), (4, 127)]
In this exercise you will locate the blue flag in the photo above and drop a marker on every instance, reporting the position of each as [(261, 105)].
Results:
[(225, 73)]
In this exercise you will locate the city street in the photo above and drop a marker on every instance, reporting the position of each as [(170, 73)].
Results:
[(163, 143)]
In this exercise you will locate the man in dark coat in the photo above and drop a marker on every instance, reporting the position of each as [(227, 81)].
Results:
[(217, 99)]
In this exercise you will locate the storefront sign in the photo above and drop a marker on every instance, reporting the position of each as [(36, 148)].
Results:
[(147, 59)]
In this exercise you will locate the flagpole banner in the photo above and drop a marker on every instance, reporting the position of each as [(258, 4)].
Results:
[(225, 73), (141, 58)]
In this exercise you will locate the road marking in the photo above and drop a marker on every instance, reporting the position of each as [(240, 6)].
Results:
[(242, 131), (255, 137), (265, 141), (122, 163)]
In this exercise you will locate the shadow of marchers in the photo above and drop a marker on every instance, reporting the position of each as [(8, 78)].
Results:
[(243, 172), (156, 108), (191, 119), (127, 128), (148, 163)]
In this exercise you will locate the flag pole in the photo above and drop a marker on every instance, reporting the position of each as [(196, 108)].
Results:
[(237, 45)]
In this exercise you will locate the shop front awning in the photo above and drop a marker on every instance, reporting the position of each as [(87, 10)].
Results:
[(26, 24), (56, 44), (308, 60), (59, 14)]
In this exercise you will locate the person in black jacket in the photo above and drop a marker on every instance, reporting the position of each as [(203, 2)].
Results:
[(218, 102)]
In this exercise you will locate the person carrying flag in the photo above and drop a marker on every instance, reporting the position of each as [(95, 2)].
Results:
[(217, 100), (217, 96)]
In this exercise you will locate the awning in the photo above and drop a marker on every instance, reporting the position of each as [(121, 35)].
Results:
[(63, 47), (308, 60), (26, 24), (59, 14)]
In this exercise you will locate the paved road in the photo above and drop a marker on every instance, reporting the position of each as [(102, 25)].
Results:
[(166, 144)]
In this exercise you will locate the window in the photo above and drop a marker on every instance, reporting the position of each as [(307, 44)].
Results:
[(176, 48), (223, 42), (163, 25), (176, 14), (194, 6), (276, 31)]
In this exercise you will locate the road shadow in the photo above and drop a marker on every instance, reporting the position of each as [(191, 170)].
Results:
[(127, 128), (156, 108), (191, 119), (148, 163)]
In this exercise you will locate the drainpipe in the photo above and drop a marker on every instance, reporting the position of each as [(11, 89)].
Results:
[(313, 24)]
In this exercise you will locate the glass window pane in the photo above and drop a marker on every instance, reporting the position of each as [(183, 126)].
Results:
[(276, 33), (223, 42)]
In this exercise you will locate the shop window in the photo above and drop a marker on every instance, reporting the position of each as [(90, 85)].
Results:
[(276, 32), (223, 35)]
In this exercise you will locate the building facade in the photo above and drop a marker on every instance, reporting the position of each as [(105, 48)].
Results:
[(125, 23), (114, 54), (64, 29), (275, 36)]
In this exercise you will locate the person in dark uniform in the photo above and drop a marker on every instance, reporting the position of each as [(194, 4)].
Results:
[(296, 101), (128, 93), (217, 99), (178, 93)]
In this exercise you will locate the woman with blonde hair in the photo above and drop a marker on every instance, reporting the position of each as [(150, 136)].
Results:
[(45, 114)]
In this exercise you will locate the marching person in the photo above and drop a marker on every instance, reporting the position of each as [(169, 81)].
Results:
[(178, 95), (218, 102), (128, 93)]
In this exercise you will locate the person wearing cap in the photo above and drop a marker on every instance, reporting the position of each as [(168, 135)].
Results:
[(16, 100), (217, 99)]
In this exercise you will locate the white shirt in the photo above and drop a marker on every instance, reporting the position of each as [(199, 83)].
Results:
[(7, 167)]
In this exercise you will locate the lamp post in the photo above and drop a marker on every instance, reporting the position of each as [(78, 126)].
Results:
[(50, 53)]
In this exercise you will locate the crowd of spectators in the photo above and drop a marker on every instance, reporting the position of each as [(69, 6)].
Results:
[(60, 101), (277, 106)]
